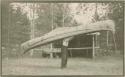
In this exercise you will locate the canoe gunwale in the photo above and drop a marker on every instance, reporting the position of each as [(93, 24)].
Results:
[(40, 43)]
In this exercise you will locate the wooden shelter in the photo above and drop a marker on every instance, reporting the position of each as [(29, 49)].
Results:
[(80, 46)]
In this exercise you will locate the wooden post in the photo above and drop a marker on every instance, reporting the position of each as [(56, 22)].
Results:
[(107, 40), (51, 45), (8, 35), (32, 27), (63, 20), (93, 47), (115, 47), (32, 35), (95, 40)]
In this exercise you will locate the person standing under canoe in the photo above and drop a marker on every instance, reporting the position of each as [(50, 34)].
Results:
[(64, 52)]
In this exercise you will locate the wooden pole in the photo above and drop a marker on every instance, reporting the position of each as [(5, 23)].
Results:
[(63, 16), (107, 40), (32, 28), (93, 47), (8, 35), (51, 45), (63, 21), (52, 17), (96, 40), (31, 53), (114, 43)]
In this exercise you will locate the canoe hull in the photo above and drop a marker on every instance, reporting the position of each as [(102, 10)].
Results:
[(51, 37)]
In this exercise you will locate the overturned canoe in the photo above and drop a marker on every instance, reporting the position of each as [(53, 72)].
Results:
[(65, 32)]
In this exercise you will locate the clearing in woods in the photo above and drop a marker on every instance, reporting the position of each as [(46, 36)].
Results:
[(51, 66)]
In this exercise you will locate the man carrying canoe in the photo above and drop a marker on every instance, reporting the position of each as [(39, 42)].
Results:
[(64, 52)]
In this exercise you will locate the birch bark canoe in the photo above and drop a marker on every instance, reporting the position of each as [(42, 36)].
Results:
[(64, 32)]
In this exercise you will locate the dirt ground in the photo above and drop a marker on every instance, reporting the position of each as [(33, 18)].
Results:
[(76, 66)]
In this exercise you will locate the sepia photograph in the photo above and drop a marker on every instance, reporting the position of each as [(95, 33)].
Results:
[(62, 38)]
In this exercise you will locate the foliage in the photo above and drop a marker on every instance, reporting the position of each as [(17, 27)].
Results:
[(16, 21), (15, 29)]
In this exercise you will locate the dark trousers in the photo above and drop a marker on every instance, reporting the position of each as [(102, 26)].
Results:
[(64, 56)]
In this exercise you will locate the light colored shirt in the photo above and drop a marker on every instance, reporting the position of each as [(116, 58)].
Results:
[(66, 41)]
